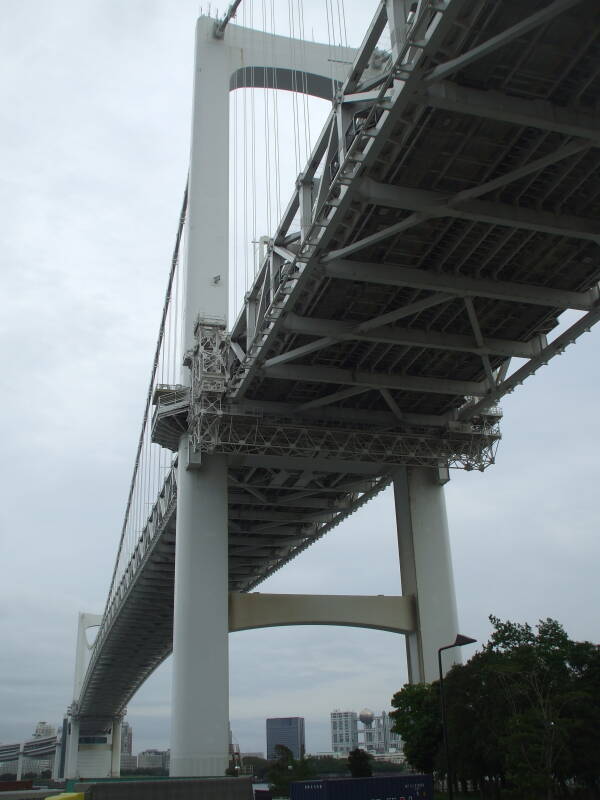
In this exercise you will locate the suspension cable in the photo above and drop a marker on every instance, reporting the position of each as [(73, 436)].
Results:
[(161, 330)]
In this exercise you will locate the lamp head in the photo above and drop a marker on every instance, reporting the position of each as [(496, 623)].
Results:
[(461, 640)]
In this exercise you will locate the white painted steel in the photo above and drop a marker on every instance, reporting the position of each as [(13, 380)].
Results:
[(242, 53), (425, 569), (115, 751), (20, 764), (82, 652), (94, 761), (206, 245), (200, 698), (379, 612), (200, 654), (71, 759)]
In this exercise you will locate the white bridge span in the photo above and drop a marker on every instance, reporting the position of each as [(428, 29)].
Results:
[(446, 218)]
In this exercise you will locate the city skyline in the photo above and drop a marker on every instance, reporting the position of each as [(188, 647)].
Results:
[(89, 216)]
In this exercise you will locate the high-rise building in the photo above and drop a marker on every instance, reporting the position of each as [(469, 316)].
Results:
[(43, 729), (38, 765), (154, 759), (287, 731), (344, 731), (376, 735), (126, 738), (128, 761)]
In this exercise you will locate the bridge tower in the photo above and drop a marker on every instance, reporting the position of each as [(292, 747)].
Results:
[(236, 58), (247, 58), (94, 749)]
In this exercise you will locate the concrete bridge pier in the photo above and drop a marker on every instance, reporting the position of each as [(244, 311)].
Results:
[(93, 755), (72, 748), (426, 568), (97, 753), (200, 694)]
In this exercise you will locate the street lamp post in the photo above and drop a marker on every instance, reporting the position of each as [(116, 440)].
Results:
[(458, 642)]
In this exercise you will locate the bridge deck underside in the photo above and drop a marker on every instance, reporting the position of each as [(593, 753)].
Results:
[(537, 231), (499, 267), (273, 515)]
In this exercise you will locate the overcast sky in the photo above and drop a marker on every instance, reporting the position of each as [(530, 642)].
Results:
[(95, 109)]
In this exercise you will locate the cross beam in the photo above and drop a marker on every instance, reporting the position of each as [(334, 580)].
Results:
[(460, 285), (375, 380), (437, 204), (495, 105), (442, 209), (409, 337)]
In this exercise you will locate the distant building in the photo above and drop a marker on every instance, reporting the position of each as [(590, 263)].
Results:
[(376, 735), (344, 731), (43, 729), (38, 765), (253, 755), (154, 759), (128, 761), (126, 738), (287, 731)]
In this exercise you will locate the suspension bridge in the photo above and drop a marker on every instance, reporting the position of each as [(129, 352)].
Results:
[(442, 221)]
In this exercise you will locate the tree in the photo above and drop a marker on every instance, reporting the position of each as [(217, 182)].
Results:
[(476, 717), (286, 769), (523, 713), (417, 719), (323, 766), (584, 732), (359, 763), (534, 672), (260, 766)]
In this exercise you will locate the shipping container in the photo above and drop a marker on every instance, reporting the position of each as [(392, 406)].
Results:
[(384, 787)]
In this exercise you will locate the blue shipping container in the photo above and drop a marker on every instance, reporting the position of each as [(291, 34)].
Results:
[(385, 787)]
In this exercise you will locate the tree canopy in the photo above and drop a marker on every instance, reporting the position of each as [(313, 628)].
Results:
[(359, 763), (522, 714), (286, 769)]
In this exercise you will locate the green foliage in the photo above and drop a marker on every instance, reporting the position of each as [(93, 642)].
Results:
[(260, 766), (523, 714), (417, 720), (286, 769), (359, 763), (323, 766), (387, 766)]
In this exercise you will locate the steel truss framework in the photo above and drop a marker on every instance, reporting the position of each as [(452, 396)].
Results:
[(446, 218)]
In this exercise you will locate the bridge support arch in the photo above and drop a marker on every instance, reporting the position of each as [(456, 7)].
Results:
[(379, 612)]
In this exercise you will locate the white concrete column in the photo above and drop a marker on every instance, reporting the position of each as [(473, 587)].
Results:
[(425, 568), (207, 226), (56, 763), (72, 756), (20, 763), (115, 749), (200, 701)]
